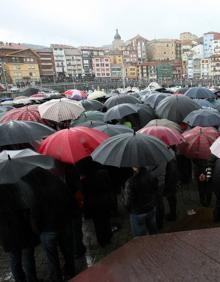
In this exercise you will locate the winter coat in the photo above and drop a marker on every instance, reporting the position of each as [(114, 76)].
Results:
[(98, 193), (171, 178), (15, 230), (140, 194), (53, 207)]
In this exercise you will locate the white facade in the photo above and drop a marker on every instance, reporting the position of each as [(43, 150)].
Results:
[(208, 44), (59, 60), (205, 68), (101, 66), (197, 51), (190, 68), (74, 62)]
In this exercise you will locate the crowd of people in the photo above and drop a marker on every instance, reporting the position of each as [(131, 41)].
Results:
[(70, 193), (61, 199)]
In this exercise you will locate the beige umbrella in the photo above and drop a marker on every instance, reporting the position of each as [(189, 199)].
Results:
[(96, 94), (60, 109)]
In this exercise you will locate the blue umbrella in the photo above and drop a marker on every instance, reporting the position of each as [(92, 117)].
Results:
[(200, 93), (203, 103), (203, 117)]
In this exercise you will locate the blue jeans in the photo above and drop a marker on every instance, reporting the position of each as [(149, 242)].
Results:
[(22, 264), (141, 223), (64, 240)]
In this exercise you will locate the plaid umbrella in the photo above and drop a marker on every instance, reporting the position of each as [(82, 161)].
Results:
[(60, 109), (198, 141), (28, 113)]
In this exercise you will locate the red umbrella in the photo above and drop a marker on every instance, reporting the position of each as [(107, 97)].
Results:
[(73, 144), (198, 141), (167, 135), (39, 95), (76, 94), (29, 113)]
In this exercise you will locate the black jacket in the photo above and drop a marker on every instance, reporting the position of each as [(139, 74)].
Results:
[(141, 192)]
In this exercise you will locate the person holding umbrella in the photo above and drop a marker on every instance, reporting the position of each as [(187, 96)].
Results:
[(140, 198)]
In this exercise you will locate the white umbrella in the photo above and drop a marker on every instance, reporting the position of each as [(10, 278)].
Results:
[(60, 109), (96, 94), (215, 148)]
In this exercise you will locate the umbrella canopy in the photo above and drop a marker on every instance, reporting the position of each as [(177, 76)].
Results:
[(119, 111), (75, 94), (92, 105), (87, 116), (96, 95), (165, 134), (215, 148), (203, 117), (203, 103), (28, 113), (132, 150), (120, 99), (176, 108), (154, 99), (18, 132), (200, 93), (15, 164), (198, 141), (112, 130), (72, 145), (145, 114), (39, 95), (60, 110), (164, 122), (91, 123)]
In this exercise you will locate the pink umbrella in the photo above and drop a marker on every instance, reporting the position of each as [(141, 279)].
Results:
[(76, 94), (39, 95), (167, 135)]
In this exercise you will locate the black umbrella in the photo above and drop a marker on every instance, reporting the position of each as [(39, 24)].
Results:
[(15, 164), (132, 150), (119, 111), (92, 105), (203, 117), (145, 114), (87, 116), (154, 99), (164, 122), (112, 130), (15, 196), (176, 108), (18, 132), (91, 123), (120, 99), (200, 93)]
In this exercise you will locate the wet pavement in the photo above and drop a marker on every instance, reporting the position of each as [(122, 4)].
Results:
[(187, 200)]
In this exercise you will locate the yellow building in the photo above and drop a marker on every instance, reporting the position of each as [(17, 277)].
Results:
[(116, 59), (22, 66), (131, 71)]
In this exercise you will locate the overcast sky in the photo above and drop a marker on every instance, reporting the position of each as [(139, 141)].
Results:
[(93, 22)]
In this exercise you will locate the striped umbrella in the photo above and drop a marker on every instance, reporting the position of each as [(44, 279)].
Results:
[(198, 141), (75, 94), (60, 109), (29, 113)]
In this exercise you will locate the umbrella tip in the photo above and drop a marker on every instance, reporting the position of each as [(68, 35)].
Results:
[(134, 132), (9, 157)]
